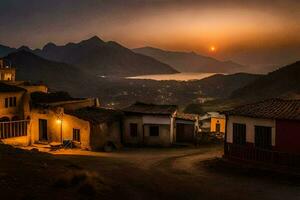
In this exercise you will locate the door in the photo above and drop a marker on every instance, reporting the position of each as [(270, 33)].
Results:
[(184, 133), (43, 130), (218, 127)]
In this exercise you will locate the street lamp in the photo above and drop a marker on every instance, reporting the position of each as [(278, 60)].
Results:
[(60, 121)]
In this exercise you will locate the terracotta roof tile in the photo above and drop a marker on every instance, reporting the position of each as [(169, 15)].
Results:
[(143, 108), (96, 115), (271, 108)]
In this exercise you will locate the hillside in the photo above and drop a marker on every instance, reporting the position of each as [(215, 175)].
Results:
[(4, 50), (58, 76), (191, 62), (122, 92), (104, 58), (283, 82)]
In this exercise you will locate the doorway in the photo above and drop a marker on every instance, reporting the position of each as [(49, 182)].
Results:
[(43, 136)]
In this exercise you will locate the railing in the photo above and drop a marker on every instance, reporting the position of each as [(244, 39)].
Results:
[(261, 155), (11, 129)]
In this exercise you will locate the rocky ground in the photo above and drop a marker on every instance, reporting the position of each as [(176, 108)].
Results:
[(176, 173)]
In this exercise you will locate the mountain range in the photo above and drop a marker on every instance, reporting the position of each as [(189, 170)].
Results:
[(58, 76), (74, 67), (190, 61), (99, 58), (284, 83), (104, 58)]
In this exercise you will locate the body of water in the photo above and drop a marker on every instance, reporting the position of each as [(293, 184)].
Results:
[(176, 77)]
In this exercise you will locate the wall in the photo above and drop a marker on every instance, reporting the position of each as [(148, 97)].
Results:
[(250, 127), (54, 127), (7, 74), (13, 111), (162, 140), (126, 128), (213, 123), (34, 88), (102, 134), (288, 136), (18, 141), (166, 124)]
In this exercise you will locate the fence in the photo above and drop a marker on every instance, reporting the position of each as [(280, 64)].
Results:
[(239, 152), (13, 129)]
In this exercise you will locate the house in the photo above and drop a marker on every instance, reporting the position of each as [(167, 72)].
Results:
[(267, 131), (187, 126), (212, 122), (104, 127), (7, 73), (15, 114), (157, 125), (149, 124), (59, 118)]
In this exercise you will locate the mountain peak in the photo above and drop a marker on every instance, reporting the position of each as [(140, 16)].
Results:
[(92, 40), (25, 48), (49, 45)]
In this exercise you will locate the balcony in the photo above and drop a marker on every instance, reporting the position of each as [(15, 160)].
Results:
[(13, 129)]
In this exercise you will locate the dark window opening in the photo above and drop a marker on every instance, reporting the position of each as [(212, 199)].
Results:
[(239, 134), (14, 101), (76, 135), (10, 102), (6, 103), (154, 131), (133, 130), (263, 137), (218, 127)]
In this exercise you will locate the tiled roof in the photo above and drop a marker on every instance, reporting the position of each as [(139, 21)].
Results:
[(96, 115), (272, 108), (186, 116), (143, 108), (10, 88)]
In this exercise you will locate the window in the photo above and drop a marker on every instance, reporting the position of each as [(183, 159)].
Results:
[(263, 137), (14, 101), (239, 134), (154, 131), (10, 102), (218, 127), (133, 130), (6, 103), (76, 134)]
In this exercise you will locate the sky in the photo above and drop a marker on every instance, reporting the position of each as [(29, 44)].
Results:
[(259, 33)]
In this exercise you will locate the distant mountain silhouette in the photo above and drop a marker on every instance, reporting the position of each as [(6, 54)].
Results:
[(191, 62), (58, 76), (5, 50), (221, 86), (104, 58), (283, 82)]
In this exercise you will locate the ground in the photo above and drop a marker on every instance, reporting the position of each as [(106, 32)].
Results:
[(136, 173)]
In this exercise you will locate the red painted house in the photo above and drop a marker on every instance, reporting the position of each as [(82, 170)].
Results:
[(267, 131)]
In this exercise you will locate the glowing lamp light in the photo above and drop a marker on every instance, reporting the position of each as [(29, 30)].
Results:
[(58, 121)]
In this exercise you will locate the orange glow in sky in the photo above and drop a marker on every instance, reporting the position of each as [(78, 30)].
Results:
[(212, 49)]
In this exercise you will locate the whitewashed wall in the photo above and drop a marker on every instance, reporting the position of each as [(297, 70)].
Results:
[(250, 127)]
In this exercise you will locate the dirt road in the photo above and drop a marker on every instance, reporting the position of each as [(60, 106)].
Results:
[(176, 174)]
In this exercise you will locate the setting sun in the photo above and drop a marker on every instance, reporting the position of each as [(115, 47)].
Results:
[(212, 49)]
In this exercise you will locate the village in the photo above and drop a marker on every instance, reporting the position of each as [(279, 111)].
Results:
[(31, 116), (263, 134)]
